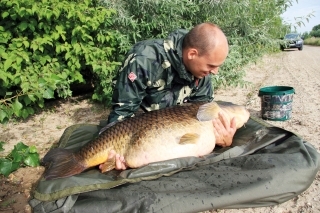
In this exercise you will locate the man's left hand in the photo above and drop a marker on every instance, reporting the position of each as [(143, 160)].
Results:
[(224, 130)]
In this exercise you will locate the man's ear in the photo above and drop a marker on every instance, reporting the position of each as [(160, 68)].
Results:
[(192, 53)]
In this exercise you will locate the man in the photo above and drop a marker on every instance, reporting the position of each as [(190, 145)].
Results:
[(160, 73)]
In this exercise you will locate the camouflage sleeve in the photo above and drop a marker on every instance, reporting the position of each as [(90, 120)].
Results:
[(130, 87), (204, 91)]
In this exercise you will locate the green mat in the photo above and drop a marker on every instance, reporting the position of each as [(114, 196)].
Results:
[(265, 166)]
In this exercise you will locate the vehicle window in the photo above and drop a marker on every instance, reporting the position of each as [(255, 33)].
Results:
[(291, 36)]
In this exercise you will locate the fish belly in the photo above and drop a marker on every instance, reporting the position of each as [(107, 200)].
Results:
[(166, 145)]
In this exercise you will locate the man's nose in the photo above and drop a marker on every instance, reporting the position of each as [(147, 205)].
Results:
[(215, 71)]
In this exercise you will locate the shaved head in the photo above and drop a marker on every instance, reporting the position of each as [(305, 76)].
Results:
[(205, 37), (204, 49)]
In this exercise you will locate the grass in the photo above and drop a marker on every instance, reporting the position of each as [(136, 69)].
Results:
[(312, 41)]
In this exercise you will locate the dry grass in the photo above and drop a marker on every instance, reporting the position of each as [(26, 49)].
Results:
[(312, 41)]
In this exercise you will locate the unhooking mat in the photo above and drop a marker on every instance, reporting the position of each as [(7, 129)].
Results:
[(264, 166)]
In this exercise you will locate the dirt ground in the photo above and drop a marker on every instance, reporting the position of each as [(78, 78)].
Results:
[(298, 69)]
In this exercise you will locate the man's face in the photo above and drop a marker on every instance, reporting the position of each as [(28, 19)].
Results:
[(202, 65)]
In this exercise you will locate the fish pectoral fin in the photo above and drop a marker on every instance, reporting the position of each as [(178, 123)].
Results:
[(208, 111), (108, 165), (189, 138)]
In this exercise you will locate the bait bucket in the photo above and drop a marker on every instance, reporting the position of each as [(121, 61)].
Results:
[(276, 102)]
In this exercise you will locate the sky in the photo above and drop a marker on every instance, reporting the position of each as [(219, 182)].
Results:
[(302, 9)]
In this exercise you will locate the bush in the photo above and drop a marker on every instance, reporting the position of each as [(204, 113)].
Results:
[(47, 45)]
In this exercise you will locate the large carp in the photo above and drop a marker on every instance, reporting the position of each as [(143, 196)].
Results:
[(179, 131)]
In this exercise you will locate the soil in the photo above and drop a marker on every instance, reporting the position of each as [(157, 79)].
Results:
[(298, 69)]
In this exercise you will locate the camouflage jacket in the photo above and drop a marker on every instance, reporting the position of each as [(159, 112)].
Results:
[(153, 77)]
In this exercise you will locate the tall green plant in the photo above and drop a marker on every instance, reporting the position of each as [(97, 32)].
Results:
[(47, 45)]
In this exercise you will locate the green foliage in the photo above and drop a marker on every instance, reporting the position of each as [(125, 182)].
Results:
[(315, 33), (315, 28), (47, 45), (21, 156)]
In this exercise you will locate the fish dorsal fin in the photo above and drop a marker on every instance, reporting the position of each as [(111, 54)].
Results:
[(189, 138), (107, 126), (208, 111)]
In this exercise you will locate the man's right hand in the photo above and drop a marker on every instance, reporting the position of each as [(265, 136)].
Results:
[(120, 161), (224, 130)]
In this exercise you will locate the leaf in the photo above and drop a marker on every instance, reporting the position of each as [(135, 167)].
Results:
[(56, 78), (34, 46), (23, 25), (32, 98), (7, 64), (42, 60), (30, 110), (24, 113), (68, 55), (31, 26), (42, 82), (26, 100), (41, 48), (41, 103), (48, 93), (3, 115), (7, 166), (33, 149), (17, 106), (32, 160), (19, 60), (1, 146), (58, 48), (4, 14), (19, 151), (26, 44)]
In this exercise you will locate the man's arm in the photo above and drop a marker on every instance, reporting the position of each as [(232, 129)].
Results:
[(129, 90)]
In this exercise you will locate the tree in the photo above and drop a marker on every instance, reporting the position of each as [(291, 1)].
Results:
[(315, 28), (315, 32)]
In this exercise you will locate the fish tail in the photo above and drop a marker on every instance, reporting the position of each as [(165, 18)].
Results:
[(61, 163)]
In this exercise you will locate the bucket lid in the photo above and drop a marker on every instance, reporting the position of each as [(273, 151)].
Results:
[(276, 90)]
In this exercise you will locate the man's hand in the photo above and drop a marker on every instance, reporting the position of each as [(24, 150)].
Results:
[(224, 130), (120, 161)]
